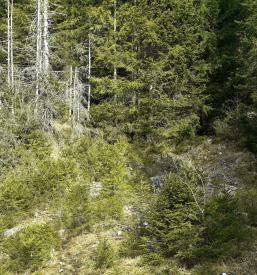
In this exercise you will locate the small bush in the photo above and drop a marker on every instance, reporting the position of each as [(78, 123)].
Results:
[(173, 223), (248, 204), (204, 269), (16, 199), (105, 255), (35, 141), (30, 248), (105, 208), (76, 210), (14, 195), (49, 178), (107, 164), (226, 232), (30, 187)]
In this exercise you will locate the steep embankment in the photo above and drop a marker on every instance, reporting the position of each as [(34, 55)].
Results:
[(71, 205)]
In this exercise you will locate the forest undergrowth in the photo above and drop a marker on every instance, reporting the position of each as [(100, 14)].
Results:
[(128, 137)]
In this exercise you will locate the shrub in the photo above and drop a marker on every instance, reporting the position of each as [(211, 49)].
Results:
[(34, 141), (105, 255), (172, 226), (107, 164), (49, 178), (204, 269), (14, 195), (16, 199), (30, 248), (76, 208), (27, 187), (226, 232), (104, 207), (248, 204)]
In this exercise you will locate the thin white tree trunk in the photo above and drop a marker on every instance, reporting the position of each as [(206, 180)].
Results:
[(39, 35), (89, 73), (70, 92), (9, 43), (39, 51), (10, 69), (74, 105), (115, 74), (76, 97), (11, 46), (45, 38), (115, 30)]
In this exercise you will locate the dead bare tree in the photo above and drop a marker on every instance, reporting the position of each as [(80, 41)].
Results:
[(45, 51), (38, 52), (89, 73), (115, 30), (70, 91), (42, 41), (10, 69)]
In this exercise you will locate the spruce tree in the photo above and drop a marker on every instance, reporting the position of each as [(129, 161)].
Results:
[(246, 112)]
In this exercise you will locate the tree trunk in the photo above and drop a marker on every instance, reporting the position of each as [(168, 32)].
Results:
[(115, 30), (45, 38), (115, 74), (74, 96), (8, 43), (11, 46), (70, 93), (10, 77), (77, 96), (89, 73), (39, 51)]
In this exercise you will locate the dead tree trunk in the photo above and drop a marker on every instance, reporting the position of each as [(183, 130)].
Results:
[(8, 44), (75, 98), (11, 50), (89, 73), (38, 51), (70, 92), (115, 74), (10, 77), (42, 48), (45, 37), (115, 30)]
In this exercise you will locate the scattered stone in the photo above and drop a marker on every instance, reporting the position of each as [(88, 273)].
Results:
[(129, 210), (157, 182), (62, 233), (10, 232), (95, 189)]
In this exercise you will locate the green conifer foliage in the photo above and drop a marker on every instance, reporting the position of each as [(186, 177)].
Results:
[(247, 88), (162, 69), (172, 227), (157, 73), (240, 104)]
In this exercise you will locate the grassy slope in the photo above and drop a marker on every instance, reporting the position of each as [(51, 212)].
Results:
[(220, 163)]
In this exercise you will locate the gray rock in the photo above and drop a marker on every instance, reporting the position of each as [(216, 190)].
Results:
[(95, 189), (157, 182), (10, 232)]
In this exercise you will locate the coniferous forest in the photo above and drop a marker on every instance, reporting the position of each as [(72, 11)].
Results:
[(128, 137)]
